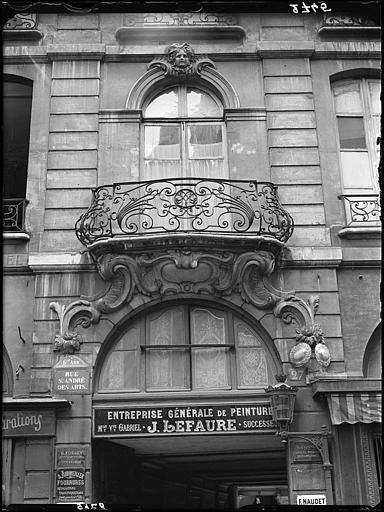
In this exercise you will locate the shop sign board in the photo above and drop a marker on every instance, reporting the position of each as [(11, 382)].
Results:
[(192, 419), (28, 423), (70, 485), (304, 451), (71, 457), (311, 499), (71, 375)]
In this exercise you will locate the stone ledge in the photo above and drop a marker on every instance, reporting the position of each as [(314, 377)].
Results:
[(79, 51), (278, 49), (311, 257), (360, 232), (16, 237)]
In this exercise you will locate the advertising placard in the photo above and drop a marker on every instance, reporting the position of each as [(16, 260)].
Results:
[(71, 457), (70, 485), (193, 419)]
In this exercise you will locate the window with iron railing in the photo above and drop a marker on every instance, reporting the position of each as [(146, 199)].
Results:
[(17, 102), (357, 109)]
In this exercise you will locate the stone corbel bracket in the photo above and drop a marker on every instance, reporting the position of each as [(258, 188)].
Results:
[(176, 272)]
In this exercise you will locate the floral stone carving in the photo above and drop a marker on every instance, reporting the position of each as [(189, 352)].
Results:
[(176, 272)]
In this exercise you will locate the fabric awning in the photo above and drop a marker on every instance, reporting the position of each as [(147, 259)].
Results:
[(354, 407)]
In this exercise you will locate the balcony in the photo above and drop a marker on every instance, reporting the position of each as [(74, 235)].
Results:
[(185, 211)]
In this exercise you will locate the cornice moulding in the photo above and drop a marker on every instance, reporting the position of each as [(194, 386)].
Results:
[(75, 51), (348, 50), (278, 49), (125, 35), (311, 257), (22, 35), (120, 116), (245, 114)]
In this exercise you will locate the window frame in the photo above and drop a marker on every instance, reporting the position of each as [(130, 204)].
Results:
[(366, 115), (141, 390), (184, 121)]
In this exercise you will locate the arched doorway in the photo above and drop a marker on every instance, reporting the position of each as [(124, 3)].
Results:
[(181, 419)]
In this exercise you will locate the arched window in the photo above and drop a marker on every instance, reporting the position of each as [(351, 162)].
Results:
[(183, 135), (186, 347), (17, 102), (357, 108)]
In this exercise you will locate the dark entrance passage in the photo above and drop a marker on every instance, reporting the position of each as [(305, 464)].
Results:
[(195, 472)]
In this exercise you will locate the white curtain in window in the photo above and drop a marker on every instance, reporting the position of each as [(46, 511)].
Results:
[(210, 365)]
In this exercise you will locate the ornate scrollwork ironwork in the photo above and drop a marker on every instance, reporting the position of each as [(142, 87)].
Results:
[(21, 21), (13, 214), (185, 206), (362, 209)]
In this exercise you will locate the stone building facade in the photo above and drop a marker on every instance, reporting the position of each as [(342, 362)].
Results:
[(191, 208)]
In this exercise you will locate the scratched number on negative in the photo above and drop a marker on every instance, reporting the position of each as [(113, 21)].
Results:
[(314, 7)]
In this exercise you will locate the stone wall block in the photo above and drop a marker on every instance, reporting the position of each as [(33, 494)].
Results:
[(70, 431), (72, 160), (289, 102), (287, 84), (75, 87), (76, 69), (84, 178), (73, 140), (74, 122)]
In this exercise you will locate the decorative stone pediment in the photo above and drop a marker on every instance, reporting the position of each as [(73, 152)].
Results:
[(178, 272)]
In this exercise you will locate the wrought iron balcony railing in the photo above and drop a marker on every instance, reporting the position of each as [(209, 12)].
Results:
[(13, 215), (362, 210), (184, 206)]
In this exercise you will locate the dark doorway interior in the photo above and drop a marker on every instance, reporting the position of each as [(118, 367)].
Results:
[(185, 481)]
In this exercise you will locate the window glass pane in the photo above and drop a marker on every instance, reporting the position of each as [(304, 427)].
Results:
[(244, 336), (207, 327), (119, 371), (167, 328), (200, 104), (16, 121), (210, 368), (252, 367), (347, 98), (205, 141), (165, 105), (167, 369), (351, 132), (129, 340), (162, 143), (374, 94), (355, 168), (210, 365)]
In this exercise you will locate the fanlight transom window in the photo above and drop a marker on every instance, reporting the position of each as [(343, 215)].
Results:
[(184, 135), (186, 348)]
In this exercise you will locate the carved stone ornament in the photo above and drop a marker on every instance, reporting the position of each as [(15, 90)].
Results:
[(67, 342), (346, 20), (310, 341), (176, 272), (179, 19), (181, 60)]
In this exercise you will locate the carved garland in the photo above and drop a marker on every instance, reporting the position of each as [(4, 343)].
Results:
[(181, 271)]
